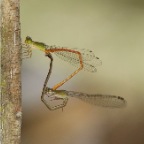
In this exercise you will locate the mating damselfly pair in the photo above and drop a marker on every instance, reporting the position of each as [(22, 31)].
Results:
[(81, 58)]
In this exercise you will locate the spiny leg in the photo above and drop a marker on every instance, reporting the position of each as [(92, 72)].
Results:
[(65, 100), (57, 106), (26, 51)]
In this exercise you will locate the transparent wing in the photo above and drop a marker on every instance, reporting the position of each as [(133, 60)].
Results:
[(90, 61), (99, 99)]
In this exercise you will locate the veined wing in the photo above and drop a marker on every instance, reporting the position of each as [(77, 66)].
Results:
[(99, 99), (90, 61)]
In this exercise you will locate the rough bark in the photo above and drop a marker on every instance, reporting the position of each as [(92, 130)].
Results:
[(11, 114)]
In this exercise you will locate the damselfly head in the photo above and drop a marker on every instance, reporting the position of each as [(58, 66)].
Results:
[(28, 40)]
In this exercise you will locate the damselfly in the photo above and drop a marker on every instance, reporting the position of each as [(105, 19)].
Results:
[(82, 58), (111, 101)]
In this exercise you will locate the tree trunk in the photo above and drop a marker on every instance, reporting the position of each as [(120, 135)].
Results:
[(11, 115)]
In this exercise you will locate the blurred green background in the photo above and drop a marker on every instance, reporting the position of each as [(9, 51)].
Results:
[(114, 30)]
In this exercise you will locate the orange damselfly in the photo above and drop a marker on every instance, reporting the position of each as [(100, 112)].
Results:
[(81, 58)]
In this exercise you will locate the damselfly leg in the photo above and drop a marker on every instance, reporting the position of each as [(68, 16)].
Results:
[(26, 51)]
